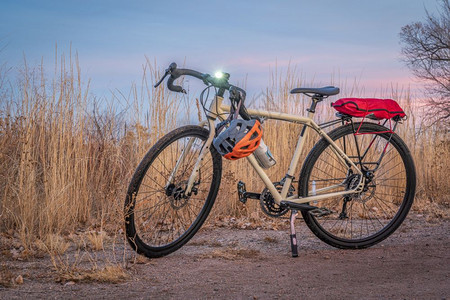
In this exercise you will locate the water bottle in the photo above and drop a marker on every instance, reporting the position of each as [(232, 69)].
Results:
[(263, 156)]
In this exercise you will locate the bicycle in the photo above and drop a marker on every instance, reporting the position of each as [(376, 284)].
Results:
[(355, 187)]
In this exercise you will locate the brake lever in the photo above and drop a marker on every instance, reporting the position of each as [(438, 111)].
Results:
[(162, 79), (169, 70)]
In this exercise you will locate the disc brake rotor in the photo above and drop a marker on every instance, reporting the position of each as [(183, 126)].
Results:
[(177, 194)]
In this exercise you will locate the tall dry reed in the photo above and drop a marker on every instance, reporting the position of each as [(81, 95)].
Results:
[(66, 157)]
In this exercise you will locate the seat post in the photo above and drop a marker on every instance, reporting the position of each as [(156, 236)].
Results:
[(315, 99)]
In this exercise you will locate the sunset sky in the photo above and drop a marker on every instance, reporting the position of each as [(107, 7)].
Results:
[(348, 39)]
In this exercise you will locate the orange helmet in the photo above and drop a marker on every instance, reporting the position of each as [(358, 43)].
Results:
[(240, 139)]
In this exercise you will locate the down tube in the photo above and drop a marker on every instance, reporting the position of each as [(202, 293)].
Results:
[(276, 195)]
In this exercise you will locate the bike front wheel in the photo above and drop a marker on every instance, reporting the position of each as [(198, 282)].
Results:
[(160, 216), (362, 219)]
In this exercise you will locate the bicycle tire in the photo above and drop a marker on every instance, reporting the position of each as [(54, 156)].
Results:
[(158, 218), (373, 215)]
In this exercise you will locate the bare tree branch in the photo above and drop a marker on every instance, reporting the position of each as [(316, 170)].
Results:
[(426, 51)]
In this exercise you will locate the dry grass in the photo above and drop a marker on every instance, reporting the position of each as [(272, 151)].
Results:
[(82, 264), (6, 276), (54, 244), (270, 240), (66, 158), (108, 274), (96, 239)]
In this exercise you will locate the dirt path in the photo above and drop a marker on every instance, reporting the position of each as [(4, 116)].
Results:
[(256, 264)]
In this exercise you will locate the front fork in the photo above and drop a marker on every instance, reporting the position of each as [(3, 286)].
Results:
[(195, 172), (205, 149), (213, 112)]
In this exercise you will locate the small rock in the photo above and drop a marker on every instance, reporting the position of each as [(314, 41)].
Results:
[(14, 253), (18, 280), (69, 283)]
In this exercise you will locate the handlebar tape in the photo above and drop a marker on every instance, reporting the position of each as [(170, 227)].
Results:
[(175, 73), (173, 88)]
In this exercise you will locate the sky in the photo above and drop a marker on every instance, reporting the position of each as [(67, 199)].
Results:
[(323, 39)]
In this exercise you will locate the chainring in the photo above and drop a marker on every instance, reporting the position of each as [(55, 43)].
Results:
[(268, 204)]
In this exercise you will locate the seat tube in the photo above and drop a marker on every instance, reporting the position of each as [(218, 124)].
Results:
[(290, 175), (292, 167)]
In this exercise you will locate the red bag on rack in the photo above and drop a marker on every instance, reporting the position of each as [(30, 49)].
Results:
[(369, 107)]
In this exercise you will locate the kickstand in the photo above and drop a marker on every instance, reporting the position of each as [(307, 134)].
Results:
[(294, 214)]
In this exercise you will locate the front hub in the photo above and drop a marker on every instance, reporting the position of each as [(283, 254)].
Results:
[(178, 197), (177, 194)]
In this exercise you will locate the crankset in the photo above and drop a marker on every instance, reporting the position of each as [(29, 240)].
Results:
[(268, 204)]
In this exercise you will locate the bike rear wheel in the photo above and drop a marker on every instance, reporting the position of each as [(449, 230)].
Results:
[(364, 219), (159, 216)]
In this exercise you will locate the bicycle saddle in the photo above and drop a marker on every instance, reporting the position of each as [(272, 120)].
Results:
[(325, 91)]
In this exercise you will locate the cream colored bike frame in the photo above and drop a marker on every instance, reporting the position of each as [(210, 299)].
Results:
[(217, 110)]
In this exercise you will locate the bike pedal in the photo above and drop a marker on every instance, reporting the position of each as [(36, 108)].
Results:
[(320, 212), (244, 195), (241, 192)]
